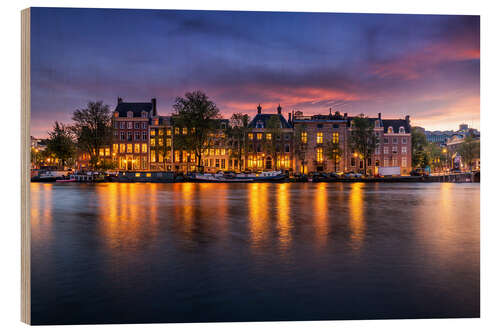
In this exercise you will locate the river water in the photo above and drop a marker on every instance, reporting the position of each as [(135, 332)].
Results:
[(184, 252)]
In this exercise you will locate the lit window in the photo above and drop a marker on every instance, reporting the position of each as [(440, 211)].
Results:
[(160, 132), (106, 152), (250, 136), (319, 137), (152, 142), (129, 148), (184, 130), (259, 136), (217, 151), (390, 130), (152, 132), (335, 138), (303, 136), (137, 148), (319, 155), (168, 142), (160, 142), (122, 147), (386, 150), (269, 136), (177, 131), (169, 131), (153, 156), (144, 147), (115, 147), (101, 151), (176, 156)]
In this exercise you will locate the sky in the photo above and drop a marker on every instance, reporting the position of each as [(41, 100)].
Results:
[(424, 66)]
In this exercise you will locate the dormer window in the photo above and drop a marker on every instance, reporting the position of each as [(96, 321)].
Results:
[(377, 123), (144, 114), (116, 114), (401, 130), (130, 114), (390, 130)]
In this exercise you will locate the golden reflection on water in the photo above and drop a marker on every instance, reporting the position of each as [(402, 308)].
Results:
[(41, 211), (356, 211), (283, 208), (258, 206), (321, 213)]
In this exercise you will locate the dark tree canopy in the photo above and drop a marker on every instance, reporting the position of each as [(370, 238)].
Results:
[(363, 139), (60, 143)]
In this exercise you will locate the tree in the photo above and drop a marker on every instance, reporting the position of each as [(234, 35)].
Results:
[(435, 156), (469, 150), (333, 152), (236, 132), (60, 143), (300, 145), (92, 129), (197, 114), (420, 158), (363, 139)]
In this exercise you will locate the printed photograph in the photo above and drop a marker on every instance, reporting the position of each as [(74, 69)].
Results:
[(235, 166)]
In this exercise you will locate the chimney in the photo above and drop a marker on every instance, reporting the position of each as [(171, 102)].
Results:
[(259, 109), (407, 119), (120, 100), (379, 115), (345, 114), (153, 101), (279, 109), (289, 117)]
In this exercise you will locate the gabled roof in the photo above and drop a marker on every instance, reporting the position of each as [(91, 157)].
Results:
[(137, 108), (263, 118), (386, 123)]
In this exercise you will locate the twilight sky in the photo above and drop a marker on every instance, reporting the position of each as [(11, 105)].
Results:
[(426, 66)]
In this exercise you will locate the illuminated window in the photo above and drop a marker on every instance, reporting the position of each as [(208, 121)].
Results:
[(153, 156), (212, 152), (169, 131), (250, 136), (390, 130), (319, 155), (160, 157), (160, 132), (129, 148), (168, 141), (217, 151), (319, 137), (176, 156), (177, 131), (303, 136), (137, 148), (259, 136), (223, 151), (160, 142), (152, 142), (335, 138), (122, 147), (106, 152), (269, 136), (152, 132), (101, 151), (144, 147), (193, 130), (184, 156), (184, 130), (115, 147)]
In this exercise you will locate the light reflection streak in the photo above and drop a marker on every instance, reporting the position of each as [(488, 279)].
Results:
[(356, 221)]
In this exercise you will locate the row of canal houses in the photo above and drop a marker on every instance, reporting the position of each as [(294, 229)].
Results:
[(143, 141)]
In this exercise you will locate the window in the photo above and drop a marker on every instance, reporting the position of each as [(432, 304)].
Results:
[(144, 136), (335, 137), (386, 140), (160, 157), (386, 162), (137, 136), (319, 137), (403, 149), (223, 164), (129, 148), (115, 134), (390, 130), (402, 130), (403, 141), (269, 136), (394, 149), (169, 132), (115, 125), (153, 156), (144, 114), (353, 161), (259, 136), (130, 114), (160, 142), (129, 125), (335, 125), (369, 162), (394, 161), (122, 125), (395, 141), (377, 151), (361, 164), (287, 148), (137, 148), (223, 151), (144, 147), (250, 136), (144, 125), (212, 152), (137, 125), (403, 162), (217, 151), (386, 150), (319, 155), (303, 137), (176, 156), (184, 131), (176, 131), (160, 132), (152, 142), (168, 141), (129, 136), (217, 163), (101, 151), (152, 132), (122, 136), (115, 147), (122, 147), (184, 156)]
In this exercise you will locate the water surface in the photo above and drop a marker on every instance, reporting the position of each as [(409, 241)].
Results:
[(134, 253)]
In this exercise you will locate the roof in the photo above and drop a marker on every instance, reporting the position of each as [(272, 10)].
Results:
[(162, 121), (137, 108), (394, 123), (263, 118)]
